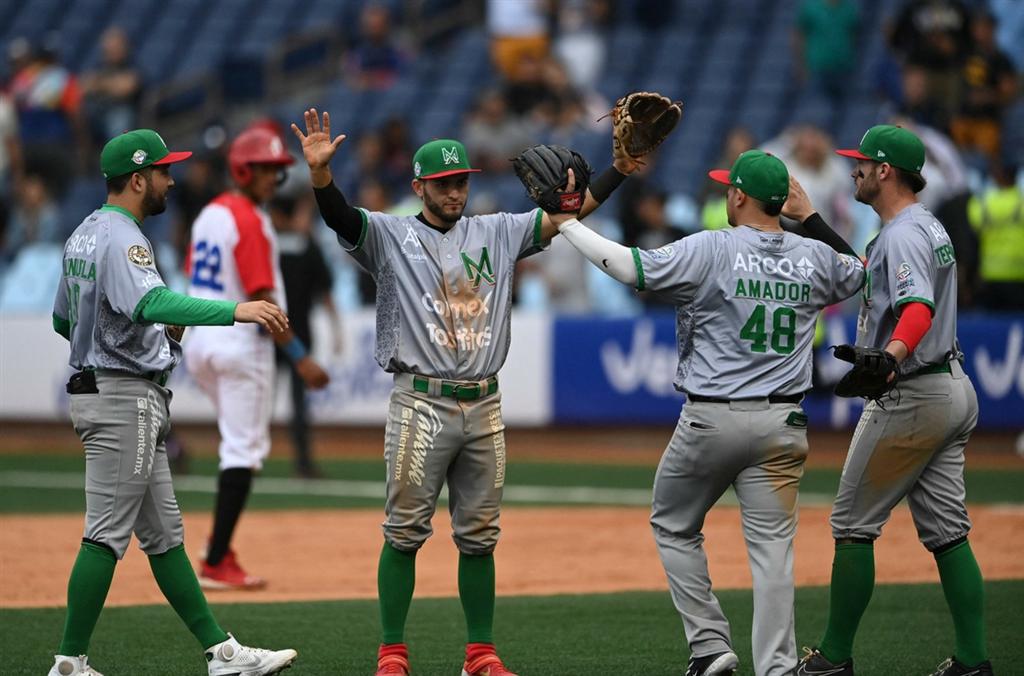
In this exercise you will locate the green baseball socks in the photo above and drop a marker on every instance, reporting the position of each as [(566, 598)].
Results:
[(853, 580), (90, 581), (396, 578)]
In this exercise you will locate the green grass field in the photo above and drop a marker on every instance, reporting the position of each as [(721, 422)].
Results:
[(53, 483), (906, 630)]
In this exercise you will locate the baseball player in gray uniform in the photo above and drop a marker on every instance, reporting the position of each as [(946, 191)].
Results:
[(911, 443), (746, 301), (116, 312), (444, 299)]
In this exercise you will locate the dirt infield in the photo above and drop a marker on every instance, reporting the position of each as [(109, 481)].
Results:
[(320, 555)]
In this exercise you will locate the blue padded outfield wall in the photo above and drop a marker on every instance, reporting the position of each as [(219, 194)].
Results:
[(616, 371), (560, 370)]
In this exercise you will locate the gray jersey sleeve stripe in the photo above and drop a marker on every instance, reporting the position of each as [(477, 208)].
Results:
[(640, 283), (916, 299), (537, 227)]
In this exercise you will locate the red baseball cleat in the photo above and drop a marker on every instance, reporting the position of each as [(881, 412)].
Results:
[(482, 660), (228, 575), (393, 660)]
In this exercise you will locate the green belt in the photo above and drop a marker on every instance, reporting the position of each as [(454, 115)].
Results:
[(456, 390), (931, 369)]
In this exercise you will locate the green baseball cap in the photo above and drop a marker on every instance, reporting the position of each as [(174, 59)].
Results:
[(134, 150), (888, 143), (440, 157), (757, 173)]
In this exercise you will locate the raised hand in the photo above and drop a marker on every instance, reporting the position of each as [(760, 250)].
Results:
[(798, 205), (317, 146), (267, 315)]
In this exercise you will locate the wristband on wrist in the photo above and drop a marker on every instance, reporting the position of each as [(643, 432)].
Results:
[(294, 349), (603, 186)]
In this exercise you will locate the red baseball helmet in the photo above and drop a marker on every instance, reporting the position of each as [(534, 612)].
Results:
[(255, 146)]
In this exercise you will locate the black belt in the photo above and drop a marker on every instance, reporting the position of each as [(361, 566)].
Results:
[(158, 377), (772, 399)]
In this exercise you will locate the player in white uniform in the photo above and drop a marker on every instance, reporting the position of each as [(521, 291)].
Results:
[(747, 299), (234, 256)]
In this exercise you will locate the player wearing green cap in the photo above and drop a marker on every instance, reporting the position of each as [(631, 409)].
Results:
[(444, 303), (909, 443), (747, 299), (115, 311)]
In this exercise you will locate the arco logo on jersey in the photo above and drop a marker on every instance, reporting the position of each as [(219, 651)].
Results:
[(758, 264), (83, 243)]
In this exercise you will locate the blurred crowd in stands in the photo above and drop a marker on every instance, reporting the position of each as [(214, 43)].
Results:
[(949, 72)]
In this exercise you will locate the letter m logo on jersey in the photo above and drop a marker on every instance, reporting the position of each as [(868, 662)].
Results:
[(478, 270)]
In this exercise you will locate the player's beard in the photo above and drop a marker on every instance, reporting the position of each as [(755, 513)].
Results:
[(438, 210), (152, 202), (868, 189)]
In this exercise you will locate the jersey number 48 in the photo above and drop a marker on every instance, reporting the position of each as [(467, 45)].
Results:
[(783, 334)]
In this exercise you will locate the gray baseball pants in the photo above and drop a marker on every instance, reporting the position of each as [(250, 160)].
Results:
[(430, 440), (759, 449), (912, 447), (127, 479)]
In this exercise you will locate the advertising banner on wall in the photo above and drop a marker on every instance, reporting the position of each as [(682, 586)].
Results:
[(563, 370), (621, 370), (34, 370)]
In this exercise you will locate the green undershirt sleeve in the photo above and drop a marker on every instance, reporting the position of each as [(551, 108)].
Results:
[(163, 306), (62, 326)]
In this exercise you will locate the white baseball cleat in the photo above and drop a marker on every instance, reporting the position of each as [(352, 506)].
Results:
[(66, 665), (231, 658)]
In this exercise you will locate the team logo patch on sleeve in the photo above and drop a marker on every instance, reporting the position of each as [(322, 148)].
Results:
[(140, 256), (903, 272), (849, 261)]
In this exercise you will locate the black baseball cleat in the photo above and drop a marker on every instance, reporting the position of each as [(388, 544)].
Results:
[(953, 668), (814, 663), (719, 664)]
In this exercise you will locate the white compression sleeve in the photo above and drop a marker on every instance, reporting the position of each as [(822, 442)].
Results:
[(610, 257)]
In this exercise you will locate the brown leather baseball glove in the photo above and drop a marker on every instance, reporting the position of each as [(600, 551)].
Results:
[(641, 121)]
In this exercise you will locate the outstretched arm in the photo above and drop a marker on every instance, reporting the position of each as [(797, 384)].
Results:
[(161, 305), (609, 257), (598, 191), (640, 122), (318, 148)]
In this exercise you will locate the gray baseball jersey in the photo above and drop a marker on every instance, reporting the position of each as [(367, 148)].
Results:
[(124, 421), (916, 440), (108, 269), (444, 299), (911, 260), (746, 306)]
